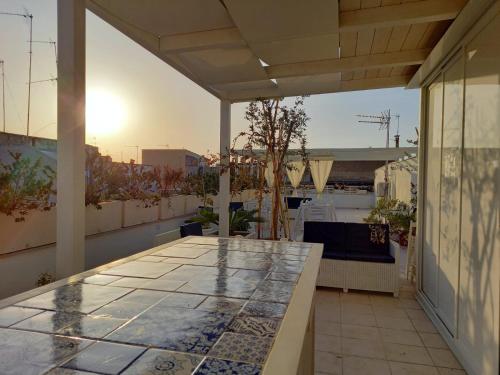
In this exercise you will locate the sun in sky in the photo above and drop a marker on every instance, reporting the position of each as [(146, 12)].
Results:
[(105, 112)]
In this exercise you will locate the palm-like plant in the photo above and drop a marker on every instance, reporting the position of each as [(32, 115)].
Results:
[(239, 220)]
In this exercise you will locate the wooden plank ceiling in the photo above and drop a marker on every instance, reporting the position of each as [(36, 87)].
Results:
[(240, 50)]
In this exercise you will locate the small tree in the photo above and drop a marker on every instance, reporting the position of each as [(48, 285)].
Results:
[(168, 179), (138, 183), (274, 127), (25, 185), (99, 170)]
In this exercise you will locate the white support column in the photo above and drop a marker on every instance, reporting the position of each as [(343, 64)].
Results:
[(70, 255), (224, 179)]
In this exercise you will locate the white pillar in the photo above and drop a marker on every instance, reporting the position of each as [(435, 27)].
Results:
[(70, 255), (224, 179)]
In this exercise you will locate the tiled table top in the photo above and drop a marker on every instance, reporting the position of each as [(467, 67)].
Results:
[(204, 305)]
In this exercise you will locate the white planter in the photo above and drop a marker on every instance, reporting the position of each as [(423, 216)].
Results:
[(135, 213), (172, 207), (108, 218), (37, 229), (192, 204)]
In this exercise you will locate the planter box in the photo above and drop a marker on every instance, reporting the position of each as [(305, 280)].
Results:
[(172, 207), (192, 204), (37, 229), (108, 218), (135, 213)]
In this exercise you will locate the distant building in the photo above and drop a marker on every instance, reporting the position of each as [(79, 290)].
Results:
[(183, 159)]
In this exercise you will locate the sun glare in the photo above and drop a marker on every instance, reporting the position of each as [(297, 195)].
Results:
[(105, 113)]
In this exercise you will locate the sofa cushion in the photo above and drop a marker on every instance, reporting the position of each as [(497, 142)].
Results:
[(367, 238), (331, 235), (364, 257)]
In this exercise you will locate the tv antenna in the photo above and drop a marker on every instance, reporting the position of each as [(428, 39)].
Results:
[(29, 17), (396, 136), (136, 152), (384, 123)]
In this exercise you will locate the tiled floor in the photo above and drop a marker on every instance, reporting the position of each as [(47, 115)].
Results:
[(376, 334)]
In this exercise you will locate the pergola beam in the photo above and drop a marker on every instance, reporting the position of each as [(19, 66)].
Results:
[(401, 14), (348, 64), (340, 86), (201, 40)]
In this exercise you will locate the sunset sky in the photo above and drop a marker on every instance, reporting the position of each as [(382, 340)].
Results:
[(144, 102)]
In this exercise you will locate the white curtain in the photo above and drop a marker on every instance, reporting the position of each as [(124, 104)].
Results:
[(269, 175), (295, 174), (320, 170)]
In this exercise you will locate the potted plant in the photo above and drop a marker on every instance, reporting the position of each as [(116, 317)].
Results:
[(239, 220), (27, 198), (169, 181), (101, 213), (139, 194)]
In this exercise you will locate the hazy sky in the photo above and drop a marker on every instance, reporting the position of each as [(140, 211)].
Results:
[(162, 107)]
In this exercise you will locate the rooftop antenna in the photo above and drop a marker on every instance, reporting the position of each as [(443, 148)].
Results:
[(136, 152), (51, 42), (384, 123), (27, 16), (396, 136), (2, 63)]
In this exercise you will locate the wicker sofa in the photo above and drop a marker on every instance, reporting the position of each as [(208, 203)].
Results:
[(356, 256)]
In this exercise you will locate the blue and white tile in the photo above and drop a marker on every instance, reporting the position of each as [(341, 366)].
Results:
[(241, 347), (135, 268), (284, 276), (251, 325), (184, 330), (105, 358), (214, 366), (163, 362), (26, 353), (222, 304), (264, 309), (274, 291), (221, 286)]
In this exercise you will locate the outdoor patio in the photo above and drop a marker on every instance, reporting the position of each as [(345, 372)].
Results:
[(376, 334)]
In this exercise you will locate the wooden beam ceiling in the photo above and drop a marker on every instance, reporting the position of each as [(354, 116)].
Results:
[(348, 64), (201, 40), (400, 14)]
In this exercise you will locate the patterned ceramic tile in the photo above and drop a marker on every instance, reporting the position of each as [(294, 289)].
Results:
[(105, 357), (181, 252), (264, 309), (163, 284), (239, 347), (214, 366), (100, 279), (23, 352), (274, 291), (185, 330), (13, 314), (49, 321), (147, 270), (92, 326), (279, 276), (251, 325), (221, 286), (83, 298), (162, 362), (222, 304)]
